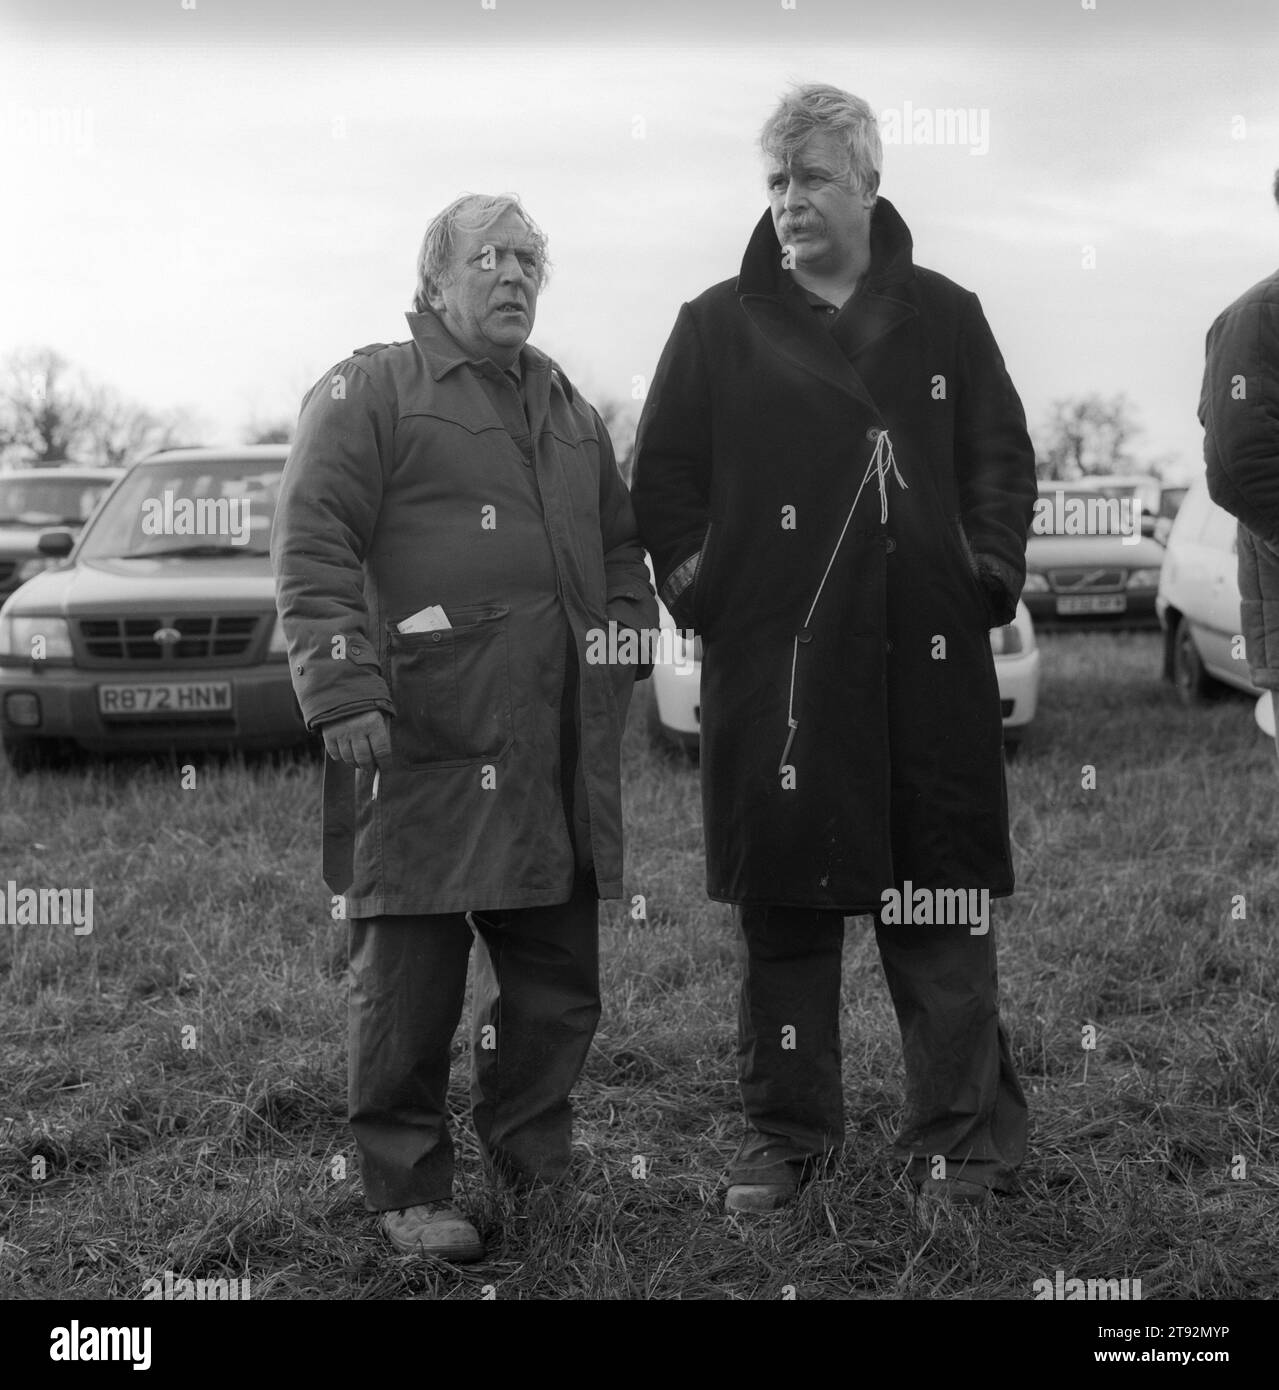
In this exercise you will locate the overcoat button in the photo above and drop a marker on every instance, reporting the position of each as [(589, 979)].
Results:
[(872, 434), (888, 646), (435, 637), (804, 635), (890, 545)]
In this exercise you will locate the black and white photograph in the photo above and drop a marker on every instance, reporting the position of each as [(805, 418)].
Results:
[(639, 656)]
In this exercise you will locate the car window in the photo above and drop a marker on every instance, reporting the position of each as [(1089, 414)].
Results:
[(46, 502), (199, 506), (1170, 500)]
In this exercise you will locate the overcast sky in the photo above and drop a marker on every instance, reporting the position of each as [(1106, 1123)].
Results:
[(211, 202)]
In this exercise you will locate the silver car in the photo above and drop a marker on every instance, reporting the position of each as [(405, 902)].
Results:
[(34, 500)]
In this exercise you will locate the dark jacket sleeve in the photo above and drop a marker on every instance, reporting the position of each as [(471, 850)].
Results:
[(630, 600), (328, 507), (1239, 410), (1259, 607), (994, 466), (671, 490)]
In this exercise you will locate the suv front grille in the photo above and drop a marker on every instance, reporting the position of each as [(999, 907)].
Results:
[(219, 637), (1086, 581)]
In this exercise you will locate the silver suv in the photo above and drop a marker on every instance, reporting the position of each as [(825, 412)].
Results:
[(33, 500)]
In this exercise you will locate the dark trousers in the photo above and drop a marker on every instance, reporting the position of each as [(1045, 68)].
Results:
[(535, 1006), (964, 1103)]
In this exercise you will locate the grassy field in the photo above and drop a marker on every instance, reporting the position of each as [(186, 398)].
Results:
[(181, 1070)]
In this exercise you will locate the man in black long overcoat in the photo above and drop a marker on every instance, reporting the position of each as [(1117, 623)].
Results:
[(835, 481)]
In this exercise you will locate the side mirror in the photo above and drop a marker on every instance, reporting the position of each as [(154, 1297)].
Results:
[(56, 544)]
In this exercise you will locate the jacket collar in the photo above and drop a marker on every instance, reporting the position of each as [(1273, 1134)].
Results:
[(891, 254), (442, 352), (885, 299)]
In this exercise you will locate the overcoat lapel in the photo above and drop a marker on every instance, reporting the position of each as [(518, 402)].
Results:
[(791, 337), (884, 303), (875, 313)]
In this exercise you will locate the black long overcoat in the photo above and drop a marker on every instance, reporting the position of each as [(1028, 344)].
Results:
[(850, 716)]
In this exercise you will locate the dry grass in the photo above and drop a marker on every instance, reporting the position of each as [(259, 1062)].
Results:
[(230, 1157)]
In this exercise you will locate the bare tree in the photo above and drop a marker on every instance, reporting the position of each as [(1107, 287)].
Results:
[(117, 431), (621, 420), (50, 414), (1087, 436), (269, 432), (42, 408)]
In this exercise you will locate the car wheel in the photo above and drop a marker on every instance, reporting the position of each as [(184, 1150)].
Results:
[(1194, 684)]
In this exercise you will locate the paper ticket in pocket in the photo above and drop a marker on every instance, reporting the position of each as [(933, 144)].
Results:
[(425, 620)]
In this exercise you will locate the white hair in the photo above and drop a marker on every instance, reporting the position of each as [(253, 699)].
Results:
[(817, 109), (472, 212)]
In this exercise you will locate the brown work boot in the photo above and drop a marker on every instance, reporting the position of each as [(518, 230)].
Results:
[(759, 1196), (434, 1228)]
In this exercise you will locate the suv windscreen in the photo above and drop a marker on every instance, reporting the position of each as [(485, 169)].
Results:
[(187, 507)]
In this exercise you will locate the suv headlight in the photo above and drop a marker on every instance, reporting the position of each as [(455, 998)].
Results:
[(1143, 579), (1006, 641), (1036, 583), (34, 639)]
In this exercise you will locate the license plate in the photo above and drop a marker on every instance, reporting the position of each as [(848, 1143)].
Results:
[(170, 698), (1093, 603)]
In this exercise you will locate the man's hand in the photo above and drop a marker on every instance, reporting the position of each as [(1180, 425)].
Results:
[(363, 740)]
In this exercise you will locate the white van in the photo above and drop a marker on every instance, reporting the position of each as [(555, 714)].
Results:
[(1198, 601)]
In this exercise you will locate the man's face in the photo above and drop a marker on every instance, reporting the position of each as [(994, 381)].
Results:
[(491, 298), (815, 210)]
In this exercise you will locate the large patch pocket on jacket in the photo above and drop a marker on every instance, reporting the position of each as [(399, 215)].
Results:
[(452, 691)]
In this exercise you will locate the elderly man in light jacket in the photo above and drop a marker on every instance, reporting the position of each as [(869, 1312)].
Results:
[(451, 539)]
